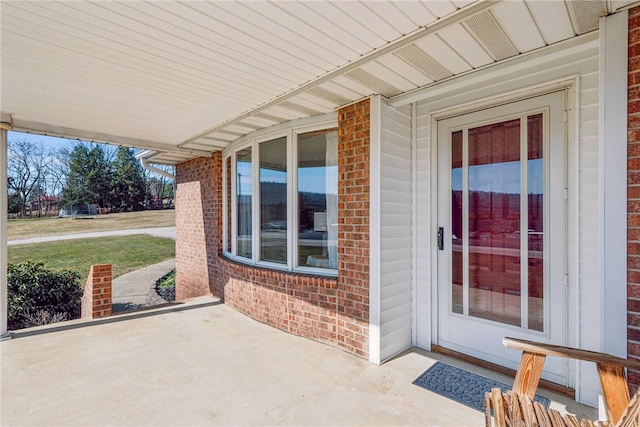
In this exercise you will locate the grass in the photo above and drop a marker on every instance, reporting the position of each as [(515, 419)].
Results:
[(41, 227), (125, 253)]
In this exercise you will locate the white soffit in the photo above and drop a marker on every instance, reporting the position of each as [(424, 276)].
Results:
[(198, 75)]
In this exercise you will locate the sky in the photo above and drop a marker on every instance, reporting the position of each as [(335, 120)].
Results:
[(49, 142)]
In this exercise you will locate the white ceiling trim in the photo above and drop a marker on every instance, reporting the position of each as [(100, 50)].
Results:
[(459, 14)]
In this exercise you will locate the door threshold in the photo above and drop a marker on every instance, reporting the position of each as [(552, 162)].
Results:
[(547, 385)]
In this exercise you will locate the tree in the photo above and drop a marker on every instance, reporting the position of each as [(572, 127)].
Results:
[(128, 190), (90, 176), (26, 168), (159, 187)]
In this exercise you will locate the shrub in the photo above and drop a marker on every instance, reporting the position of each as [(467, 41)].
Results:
[(33, 289), (166, 286), (42, 317)]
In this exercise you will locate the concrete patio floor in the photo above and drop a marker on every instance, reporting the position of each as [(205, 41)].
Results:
[(202, 363)]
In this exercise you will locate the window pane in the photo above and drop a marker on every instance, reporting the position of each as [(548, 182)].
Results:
[(457, 266), (243, 199), (273, 200), (228, 195), (494, 222), (318, 199), (535, 185)]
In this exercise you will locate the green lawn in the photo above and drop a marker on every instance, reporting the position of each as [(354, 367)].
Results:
[(38, 227), (125, 253)]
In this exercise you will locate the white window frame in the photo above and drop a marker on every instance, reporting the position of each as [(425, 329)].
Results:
[(234, 205), (296, 219), (256, 202), (290, 130)]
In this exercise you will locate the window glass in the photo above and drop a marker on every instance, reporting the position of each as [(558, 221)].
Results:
[(535, 204), (228, 195), (317, 199), (244, 184), (457, 262), (273, 200)]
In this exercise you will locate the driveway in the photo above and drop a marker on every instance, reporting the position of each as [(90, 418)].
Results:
[(166, 232), (204, 364)]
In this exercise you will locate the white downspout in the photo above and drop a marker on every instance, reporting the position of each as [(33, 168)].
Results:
[(4, 199), (147, 166)]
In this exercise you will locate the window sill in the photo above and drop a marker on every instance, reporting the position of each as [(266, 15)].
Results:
[(299, 271)]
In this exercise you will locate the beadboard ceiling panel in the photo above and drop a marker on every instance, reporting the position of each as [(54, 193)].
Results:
[(188, 78)]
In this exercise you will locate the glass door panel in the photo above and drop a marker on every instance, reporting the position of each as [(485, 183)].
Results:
[(535, 218), (493, 227)]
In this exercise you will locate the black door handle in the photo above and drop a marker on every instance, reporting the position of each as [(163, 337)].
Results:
[(441, 238)]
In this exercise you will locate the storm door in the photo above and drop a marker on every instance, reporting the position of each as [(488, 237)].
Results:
[(502, 230)]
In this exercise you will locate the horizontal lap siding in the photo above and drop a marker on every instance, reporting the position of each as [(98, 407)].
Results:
[(395, 230)]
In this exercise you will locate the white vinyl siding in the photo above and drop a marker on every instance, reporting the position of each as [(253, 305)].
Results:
[(578, 59), (395, 230)]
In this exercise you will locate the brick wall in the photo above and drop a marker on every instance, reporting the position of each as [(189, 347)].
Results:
[(331, 310), (96, 299), (198, 185), (353, 227), (633, 195)]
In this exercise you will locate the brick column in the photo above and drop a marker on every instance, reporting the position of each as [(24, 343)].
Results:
[(96, 300), (198, 225), (633, 196), (353, 228)]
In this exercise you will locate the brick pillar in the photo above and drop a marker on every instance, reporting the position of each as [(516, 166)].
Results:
[(353, 228), (198, 225), (96, 300), (633, 196)]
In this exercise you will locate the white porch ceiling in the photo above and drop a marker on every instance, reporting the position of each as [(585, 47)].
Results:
[(186, 78)]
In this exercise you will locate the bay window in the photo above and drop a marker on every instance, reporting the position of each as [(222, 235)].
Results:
[(286, 187)]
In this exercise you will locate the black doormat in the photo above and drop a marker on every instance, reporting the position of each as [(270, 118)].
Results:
[(462, 386)]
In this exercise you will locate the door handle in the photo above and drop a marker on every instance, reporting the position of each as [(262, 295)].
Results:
[(441, 238)]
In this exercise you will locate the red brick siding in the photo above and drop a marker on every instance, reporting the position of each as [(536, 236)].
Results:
[(353, 227), (197, 234), (326, 309), (633, 196), (96, 299)]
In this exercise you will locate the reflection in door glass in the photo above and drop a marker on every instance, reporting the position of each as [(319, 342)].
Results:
[(535, 186), (456, 223), (494, 222)]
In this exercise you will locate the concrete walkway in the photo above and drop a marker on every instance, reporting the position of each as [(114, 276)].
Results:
[(137, 289), (204, 364), (166, 232)]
